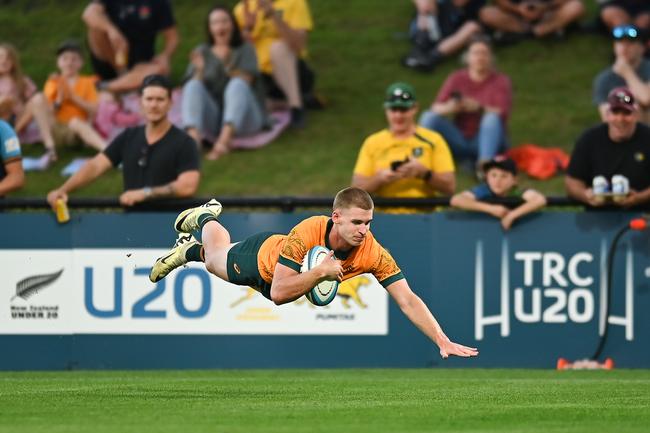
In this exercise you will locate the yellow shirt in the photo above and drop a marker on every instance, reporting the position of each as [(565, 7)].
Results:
[(382, 148), (295, 13), (290, 250), (84, 87)]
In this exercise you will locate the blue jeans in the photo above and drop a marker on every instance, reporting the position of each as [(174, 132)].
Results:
[(240, 108), (489, 141)]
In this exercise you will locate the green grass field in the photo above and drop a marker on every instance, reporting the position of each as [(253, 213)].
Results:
[(371, 401), (355, 47)]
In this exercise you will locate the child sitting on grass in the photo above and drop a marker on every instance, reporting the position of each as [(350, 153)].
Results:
[(73, 99), (500, 181)]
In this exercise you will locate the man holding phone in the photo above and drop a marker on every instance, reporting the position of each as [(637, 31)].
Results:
[(404, 160)]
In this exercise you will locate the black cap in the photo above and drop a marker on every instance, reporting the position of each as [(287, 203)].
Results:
[(502, 162), (69, 45)]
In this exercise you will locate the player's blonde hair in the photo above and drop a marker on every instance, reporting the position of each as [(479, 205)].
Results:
[(353, 197)]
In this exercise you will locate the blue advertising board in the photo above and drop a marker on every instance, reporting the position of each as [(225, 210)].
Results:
[(524, 297)]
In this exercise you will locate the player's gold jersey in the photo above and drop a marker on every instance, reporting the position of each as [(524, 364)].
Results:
[(289, 250)]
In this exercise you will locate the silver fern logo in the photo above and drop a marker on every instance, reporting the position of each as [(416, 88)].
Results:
[(30, 286)]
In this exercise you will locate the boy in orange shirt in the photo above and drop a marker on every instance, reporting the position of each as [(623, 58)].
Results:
[(73, 99), (271, 262)]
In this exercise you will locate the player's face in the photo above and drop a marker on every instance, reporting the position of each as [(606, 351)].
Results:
[(69, 63), (155, 103), (220, 26), (352, 224), (500, 181), (401, 120), (621, 124)]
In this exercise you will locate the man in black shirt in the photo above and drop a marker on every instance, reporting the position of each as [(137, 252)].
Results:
[(621, 146), (158, 159), (122, 38)]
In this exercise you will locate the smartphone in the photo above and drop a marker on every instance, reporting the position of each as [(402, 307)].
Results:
[(396, 164)]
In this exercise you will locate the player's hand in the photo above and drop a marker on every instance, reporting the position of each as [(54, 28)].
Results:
[(54, 195), (448, 348), (132, 196), (331, 268)]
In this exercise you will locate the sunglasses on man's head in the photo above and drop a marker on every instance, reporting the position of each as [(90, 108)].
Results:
[(399, 95), (144, 157), (625, 32)]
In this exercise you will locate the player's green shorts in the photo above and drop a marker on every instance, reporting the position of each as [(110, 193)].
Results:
[(241, 264)]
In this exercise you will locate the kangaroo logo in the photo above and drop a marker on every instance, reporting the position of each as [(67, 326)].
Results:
[(250, 294), (349, 290)]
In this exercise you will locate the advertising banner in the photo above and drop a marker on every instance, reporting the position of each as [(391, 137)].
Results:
[(525, 297), (107, 291)]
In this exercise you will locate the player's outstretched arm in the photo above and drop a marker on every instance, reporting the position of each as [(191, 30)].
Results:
[(418, 313)]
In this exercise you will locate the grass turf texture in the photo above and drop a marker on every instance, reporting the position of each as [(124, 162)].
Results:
[(326, 400), (355, 47)]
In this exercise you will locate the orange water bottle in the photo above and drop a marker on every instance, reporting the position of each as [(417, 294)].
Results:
[(62, 213)]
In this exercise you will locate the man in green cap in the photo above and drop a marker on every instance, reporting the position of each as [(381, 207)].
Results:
[(404, 160)]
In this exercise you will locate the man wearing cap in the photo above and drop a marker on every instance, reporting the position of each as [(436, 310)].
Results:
[(404, 160), (630, 69), (621, 146)]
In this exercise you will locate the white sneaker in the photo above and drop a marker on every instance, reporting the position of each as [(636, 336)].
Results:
[(174, 258), (188, 220)]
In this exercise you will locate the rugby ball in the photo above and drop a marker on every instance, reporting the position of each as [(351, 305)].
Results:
[(325, 291)]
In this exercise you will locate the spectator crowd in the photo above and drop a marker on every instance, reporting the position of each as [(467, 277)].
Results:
[(253, 64)]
